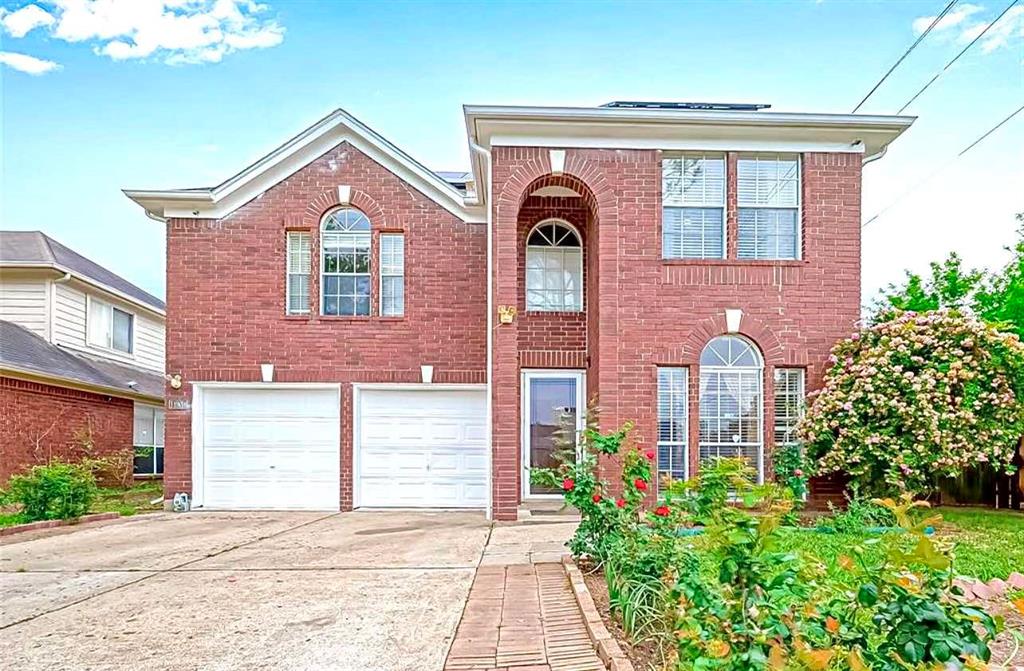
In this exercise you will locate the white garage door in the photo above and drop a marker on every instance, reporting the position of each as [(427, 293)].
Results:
[(273, 448), (422, 448)]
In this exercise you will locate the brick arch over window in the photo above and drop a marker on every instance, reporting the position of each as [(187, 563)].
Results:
[(752, 328), (584, 180), (328, 200)]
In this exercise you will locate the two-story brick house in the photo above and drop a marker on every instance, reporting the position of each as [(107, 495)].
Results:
[(354, 330), (81, 359)]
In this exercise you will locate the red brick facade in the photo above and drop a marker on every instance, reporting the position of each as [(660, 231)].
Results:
[(39, 422), (226, 293)]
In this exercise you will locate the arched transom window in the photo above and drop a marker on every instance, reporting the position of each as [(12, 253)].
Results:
[(554, 268), (345, 263), (731, 402)]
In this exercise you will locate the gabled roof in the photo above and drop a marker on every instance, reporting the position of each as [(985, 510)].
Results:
[(24, 352), (34, 249), (217, 201)]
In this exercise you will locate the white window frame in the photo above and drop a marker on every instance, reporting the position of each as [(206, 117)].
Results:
[(724, 206), (299, 236), (719, 370), (346, 235), (389, 271), (801, 393), (669, 444), (546, 249), (108, 343), (799, 202), (156, 442)]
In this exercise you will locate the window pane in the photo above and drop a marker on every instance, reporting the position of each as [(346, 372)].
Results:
[(768, 234), (789, 402), (145, 457), (672, 423), (554, 275), (693, 233), (159, 460), (158, 427), (298, 294), (771, 180), (694, 179), (297, 272), (392, 296), (122, 331), (143, 425), (731, 402)]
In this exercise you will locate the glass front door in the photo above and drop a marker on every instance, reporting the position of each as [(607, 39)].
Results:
[(551, 403)]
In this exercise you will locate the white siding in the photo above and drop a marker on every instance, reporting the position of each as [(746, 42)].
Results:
[(23, 302), (69, 329)]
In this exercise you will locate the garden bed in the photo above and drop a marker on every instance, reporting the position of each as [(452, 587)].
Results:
[(121, 501)]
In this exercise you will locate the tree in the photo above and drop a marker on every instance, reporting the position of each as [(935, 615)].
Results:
[(1001, 299), (950, 286), (915, 398)]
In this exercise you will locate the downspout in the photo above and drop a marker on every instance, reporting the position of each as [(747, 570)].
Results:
[(486, 154), (874, 157)]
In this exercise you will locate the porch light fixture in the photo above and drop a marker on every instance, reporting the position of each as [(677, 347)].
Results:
[(267, 372), (427, 374), (506, 314)]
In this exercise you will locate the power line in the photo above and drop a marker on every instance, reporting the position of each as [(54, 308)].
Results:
[(957, 57), (966, 149), (906, 53)]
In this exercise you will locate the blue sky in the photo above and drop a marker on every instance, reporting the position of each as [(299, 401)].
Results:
[(127, 95)]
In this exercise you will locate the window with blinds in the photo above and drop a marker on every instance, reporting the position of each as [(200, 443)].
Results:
[(789, 403), (693, 200), (392, 275), (768, 199), (673, 426), (297, 280)]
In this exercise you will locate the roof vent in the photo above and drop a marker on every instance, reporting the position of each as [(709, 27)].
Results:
[(730, 107)]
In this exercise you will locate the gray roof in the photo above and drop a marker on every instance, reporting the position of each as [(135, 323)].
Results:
[(37, 248), (24, 350)]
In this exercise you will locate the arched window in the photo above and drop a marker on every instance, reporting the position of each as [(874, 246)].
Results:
[(554, 268), (345, 263), (731, 401)]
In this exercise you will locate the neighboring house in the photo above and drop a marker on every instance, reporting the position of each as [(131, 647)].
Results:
[(81, 355), (688, 267)]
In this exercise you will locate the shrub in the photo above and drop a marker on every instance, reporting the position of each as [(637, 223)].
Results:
[(791, 469), (859, 515), (916, 398), (57, 490)]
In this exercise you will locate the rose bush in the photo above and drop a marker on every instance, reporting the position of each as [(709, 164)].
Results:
[(916, 398)]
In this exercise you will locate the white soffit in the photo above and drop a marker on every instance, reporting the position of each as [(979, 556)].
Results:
[(555, 192), (340, 126)]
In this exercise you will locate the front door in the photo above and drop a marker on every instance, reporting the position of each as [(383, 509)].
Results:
[(552, 400)]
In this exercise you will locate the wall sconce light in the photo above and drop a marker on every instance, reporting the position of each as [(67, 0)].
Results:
[(506, 314), (174, 380), (267, 372)]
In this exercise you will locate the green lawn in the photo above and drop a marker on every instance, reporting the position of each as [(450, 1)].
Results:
[(135, 499), (988, 543)]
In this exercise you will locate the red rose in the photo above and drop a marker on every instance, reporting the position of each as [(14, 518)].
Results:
[(620, 503), (568, 484), (797, 472), (661, 511), (649, 454), (596, 498), (640, 484)]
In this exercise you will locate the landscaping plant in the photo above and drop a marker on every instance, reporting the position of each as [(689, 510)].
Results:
[(55, 491), (915, 398)]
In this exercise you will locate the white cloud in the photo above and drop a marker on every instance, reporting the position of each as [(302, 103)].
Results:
[(961, 26), (28, 64), (174, 31), (950, 20), (23, 21)]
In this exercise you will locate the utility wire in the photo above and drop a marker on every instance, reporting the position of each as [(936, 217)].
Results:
[(957, 57), (943, 167), (906, 53)]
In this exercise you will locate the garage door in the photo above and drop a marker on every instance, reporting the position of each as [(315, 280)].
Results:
[(422, 448), (274, 448)]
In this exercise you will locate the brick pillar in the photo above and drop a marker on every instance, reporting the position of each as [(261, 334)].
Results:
[(506, 468)]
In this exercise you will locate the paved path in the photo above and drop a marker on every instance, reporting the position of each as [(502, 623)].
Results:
[(522, 617)]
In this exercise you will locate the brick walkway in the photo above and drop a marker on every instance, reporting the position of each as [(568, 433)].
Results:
[(522, 617)]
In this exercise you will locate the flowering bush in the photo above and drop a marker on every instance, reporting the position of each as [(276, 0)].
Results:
[(915, 398)]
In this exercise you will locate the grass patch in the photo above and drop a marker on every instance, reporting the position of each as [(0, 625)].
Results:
[(10, 519), (135, 499)]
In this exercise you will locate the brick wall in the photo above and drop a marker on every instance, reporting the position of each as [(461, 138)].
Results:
[(645, 312), (225, 289), (38, 422)]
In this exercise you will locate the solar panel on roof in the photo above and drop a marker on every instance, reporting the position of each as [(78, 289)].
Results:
[(732, 107)]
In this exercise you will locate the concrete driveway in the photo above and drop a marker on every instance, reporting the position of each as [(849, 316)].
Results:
[(353, 591)]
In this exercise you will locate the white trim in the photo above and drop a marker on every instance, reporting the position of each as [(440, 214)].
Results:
[(557, 158), (298, 152), (344, 195), (381, 275), (85, 279), (546, 248), (198, 389), (359, 387), (527, 374)]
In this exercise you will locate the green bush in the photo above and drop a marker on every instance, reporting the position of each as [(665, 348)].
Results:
[(860, 514), (55, 491)]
